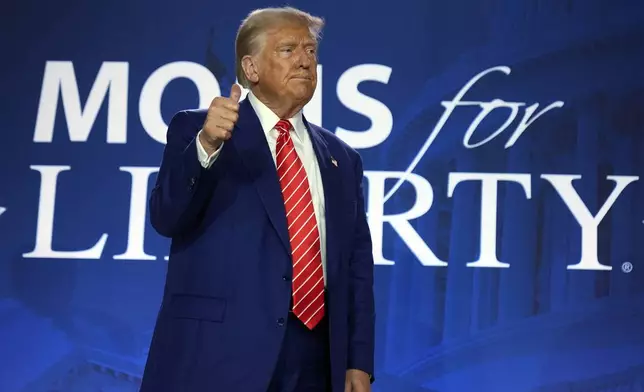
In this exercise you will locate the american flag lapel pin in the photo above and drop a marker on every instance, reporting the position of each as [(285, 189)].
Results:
[(335, 163)]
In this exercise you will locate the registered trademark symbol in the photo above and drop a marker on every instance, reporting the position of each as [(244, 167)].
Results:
[(627, 267)]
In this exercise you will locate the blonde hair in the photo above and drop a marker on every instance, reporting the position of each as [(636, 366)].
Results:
[(251, 34)]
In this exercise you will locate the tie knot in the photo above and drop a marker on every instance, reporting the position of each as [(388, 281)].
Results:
[(283, 126)]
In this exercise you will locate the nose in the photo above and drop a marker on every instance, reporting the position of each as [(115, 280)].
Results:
[(304, 59)]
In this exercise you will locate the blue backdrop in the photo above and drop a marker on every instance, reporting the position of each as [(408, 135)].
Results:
[(503, 143)]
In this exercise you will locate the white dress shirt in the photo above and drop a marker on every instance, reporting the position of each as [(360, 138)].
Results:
[(304, 149)]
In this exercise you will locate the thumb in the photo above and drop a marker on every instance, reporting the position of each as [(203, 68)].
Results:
[(235, 92)]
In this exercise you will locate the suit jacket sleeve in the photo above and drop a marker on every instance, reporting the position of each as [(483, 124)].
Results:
[(183, 186), (362, 308)]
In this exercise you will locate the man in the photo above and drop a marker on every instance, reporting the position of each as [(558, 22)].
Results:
[(270, 279)]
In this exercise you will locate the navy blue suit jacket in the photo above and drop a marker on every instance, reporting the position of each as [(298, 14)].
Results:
[(228, 286)]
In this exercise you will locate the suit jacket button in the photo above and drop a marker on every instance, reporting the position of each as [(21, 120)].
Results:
[(280, 321)]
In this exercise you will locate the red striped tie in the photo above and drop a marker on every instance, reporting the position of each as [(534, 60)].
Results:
[(308, 279)]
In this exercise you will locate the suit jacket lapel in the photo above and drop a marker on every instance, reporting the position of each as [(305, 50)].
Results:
[(331, 181), (249, 140)]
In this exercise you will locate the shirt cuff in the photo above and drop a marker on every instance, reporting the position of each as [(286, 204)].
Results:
[(205, 160)]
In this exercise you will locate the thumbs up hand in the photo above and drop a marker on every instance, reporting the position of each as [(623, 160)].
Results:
[(220, 120)]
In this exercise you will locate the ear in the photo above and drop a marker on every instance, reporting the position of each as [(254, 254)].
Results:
[(249, 65)]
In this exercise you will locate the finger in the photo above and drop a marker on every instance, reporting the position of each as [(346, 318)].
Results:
[(224, 134), (230, 105), (213, 103), (220, 133), (226, 130), (217, 130), (229, 115), (235, 92), (224, 103), (225, 124)]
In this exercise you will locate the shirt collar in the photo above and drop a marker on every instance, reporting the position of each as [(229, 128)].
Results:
[(268, 118)]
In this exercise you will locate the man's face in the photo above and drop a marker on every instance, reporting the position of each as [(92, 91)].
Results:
[(288, 64)]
